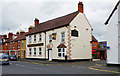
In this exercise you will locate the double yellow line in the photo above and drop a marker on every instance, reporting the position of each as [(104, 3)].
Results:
[(94, 68)]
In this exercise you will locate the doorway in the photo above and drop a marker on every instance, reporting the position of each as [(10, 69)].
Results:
[(50, 54)]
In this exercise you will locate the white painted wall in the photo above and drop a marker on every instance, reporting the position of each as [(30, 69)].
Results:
[(81, 46), (57, 41), (37, 48), (112, 38)]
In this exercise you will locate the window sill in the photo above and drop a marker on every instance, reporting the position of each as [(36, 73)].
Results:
[(39, 55), (39, 41), (34, 55), (34, 42), (29, 55)]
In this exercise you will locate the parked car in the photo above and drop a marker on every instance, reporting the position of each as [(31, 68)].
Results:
[(12, 57), (4, 59)]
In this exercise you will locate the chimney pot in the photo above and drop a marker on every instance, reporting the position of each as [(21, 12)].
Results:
[(80, 7), (36, 21)]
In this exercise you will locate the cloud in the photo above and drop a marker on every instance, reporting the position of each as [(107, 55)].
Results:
[(19, 15)]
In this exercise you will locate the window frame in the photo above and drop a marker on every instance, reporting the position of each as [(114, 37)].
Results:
[(63, 37), (40, 51), (94, 45), (50, 38), (30, 51), (34, 38), (34, 51), (30, 39), (63, 53), (40, 37), (6, 45)]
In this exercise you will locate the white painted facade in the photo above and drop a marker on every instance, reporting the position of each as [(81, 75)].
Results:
[(113, 38), (76, 47)]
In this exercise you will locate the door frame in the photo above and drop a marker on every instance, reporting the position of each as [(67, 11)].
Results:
[(49, 54)]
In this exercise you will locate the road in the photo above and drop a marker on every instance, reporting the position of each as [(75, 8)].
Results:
[(17, 67)]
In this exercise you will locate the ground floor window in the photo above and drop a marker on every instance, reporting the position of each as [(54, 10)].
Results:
[(40, 51), (30, 51), (61, 52), (34, 51)]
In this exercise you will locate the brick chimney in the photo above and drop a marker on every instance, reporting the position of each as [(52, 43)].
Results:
[(22, 32), (17, 33), (30, 28), (10, 35), (4, 36), (36, 21), (80, 7)]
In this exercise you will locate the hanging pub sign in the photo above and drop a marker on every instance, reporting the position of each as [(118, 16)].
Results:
[(54, 36), (74, 33)]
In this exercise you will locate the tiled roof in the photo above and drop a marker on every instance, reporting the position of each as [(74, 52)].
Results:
[(8, 40), (52, 24), (20, 37), (94, 39)]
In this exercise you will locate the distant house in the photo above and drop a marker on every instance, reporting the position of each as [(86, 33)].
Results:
[(102, 49), (21, 44), (113, 36), (67, 37), (94, 45)]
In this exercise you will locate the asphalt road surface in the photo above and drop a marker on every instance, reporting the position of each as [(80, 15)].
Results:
[(16, 67)]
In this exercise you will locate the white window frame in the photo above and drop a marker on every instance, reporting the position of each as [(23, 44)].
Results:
[(50, 38), (63, 37), (34, 51), (30, 51), (40, 51), (34, 38), (61, 52), (29, 39), (40, 37)]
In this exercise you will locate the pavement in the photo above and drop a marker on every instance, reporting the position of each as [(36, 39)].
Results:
[(27, 66)]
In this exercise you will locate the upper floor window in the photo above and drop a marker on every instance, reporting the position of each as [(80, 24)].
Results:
[(10, 45), (30, 51), (40, 37), (34, 51), (22, 44), (34, 37), (50, 38), (6, 45), (40, 51), (63, 37), (30, 39), (18, 44), (13, 44)]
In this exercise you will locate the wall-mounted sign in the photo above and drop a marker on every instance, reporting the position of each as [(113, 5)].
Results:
[(32, 45), (108, 47), (54, 36), (74, 33)]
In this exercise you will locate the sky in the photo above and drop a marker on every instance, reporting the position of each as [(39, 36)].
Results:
[(16, 15)]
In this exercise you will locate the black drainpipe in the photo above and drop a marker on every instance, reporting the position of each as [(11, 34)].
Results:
[(45, 45)]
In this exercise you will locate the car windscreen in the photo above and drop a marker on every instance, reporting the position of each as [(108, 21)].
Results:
[(4, 57)]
